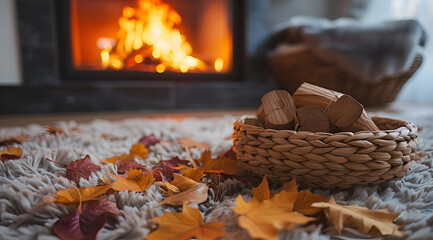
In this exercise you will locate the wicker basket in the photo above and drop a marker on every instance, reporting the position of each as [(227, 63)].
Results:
[(294, 68), (339, 160)]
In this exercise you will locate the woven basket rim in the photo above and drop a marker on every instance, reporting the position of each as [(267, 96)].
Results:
[(403, 125)]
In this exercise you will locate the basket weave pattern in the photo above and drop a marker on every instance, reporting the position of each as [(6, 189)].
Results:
[(339, 160)]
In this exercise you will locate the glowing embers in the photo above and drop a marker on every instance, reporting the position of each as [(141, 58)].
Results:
[(149, 39)]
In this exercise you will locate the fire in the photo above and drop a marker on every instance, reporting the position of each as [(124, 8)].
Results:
[(150, 35)]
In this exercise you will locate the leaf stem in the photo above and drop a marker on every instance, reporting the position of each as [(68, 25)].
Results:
[(55, 162), (151, 197)]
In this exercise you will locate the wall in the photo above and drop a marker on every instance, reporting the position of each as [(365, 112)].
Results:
[(9, 57)]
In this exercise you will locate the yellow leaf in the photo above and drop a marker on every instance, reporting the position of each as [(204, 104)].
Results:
[(186, 225), (136, 181), (290, 186), (136, 151), (262, 192), (10, 153), (192, 191), (365, 220), (189, 143), (218, 165), (304, 201), (264, 219), (193, 173), (168, 188), (74, 195)]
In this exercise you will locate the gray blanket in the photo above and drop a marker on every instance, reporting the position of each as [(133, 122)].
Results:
[(368, 51)]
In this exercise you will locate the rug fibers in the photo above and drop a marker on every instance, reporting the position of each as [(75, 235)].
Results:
[(26, 182)]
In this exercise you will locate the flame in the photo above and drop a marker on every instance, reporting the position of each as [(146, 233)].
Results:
[(151, 32)]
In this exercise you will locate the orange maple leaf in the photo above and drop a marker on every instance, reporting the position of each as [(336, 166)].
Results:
[(136, 151), (13, 140), (189, 143), (136, 181), (186, 225), (191, 191), (78, 195), (11, 153), (218, 165), (54, 130)]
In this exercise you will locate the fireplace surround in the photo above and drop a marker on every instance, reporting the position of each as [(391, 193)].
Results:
[(50, 85)]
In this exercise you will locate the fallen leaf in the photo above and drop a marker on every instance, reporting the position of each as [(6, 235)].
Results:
[(87, 224), (229, 154), (189, 143), (262, 191), (136, 151), (193, 173), (54, 130), (304, 201), (124, 166), (13, 140), (264, 219), (136, 181), (149, 140), (168, 188), (191, 191), (11, 153), (165, 168), (78, 195), (186, 225), (211, 165), (81, 168), (365, 220)]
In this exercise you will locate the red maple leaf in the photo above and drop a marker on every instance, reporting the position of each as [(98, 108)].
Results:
[(124, 166), (81, 168), (165, 168), (149, 140), (87, 224)]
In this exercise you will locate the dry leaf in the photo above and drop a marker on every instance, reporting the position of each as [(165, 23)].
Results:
[(192, 191), (163, 171), (77, 195), (81, 168), (189, 143), (136, 181), (264, 219), (365, 220), (304, 201), (11, 153), (124, 166), (211, 165), (186, 225), (13, 140), (149, 140), (136, 151), (262, 191), (193, 173), (168, 188), (87, 224), (54, 130)]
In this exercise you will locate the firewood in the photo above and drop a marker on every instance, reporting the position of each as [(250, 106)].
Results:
[(312, 119), (349, 115), (277, 110), (311, 95)]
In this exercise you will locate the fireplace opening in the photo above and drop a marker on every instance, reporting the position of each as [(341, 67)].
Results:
[(151, 39)]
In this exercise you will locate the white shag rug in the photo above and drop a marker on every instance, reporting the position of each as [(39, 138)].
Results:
[(25, 183)]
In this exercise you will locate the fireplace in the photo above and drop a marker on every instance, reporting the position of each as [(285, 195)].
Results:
[(151, 39), (73, 58)]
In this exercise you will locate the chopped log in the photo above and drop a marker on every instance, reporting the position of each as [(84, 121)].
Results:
[(349, 115), (277, 110), (312, 119), (311, 95)]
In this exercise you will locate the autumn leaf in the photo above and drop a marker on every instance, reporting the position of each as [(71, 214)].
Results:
[(304, 201), (149, 140), (262, 191), (165, 168), (81, 168), (124, 166), (87, 224), (11, 153), (136, 151), (78, 195), (193, 173), (168, 188), (189, 143), (54, 130), (365, 220), (136, 181), (212, 165), (13, 140), (191, 191), (186, 225), (264, 219), (229, 154)]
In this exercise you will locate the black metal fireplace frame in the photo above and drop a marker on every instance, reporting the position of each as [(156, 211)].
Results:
[(68, 73)]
